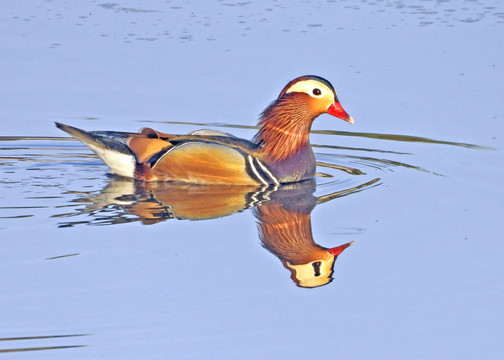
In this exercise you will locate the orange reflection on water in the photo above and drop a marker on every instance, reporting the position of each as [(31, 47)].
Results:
[(283, 213)]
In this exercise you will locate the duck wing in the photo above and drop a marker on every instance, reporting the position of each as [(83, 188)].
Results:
[(204, 157)]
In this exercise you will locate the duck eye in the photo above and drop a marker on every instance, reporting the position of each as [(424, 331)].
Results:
[(316, 92)]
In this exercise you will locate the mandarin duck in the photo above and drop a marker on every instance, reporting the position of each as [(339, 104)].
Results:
[(279, 153)]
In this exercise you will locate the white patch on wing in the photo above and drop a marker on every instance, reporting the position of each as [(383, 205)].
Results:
[(119, 163)]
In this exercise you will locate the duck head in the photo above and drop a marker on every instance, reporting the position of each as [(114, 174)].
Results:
[(285, 124), (322, 98)]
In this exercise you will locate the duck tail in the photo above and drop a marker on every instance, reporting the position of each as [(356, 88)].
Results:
[(110, 147)]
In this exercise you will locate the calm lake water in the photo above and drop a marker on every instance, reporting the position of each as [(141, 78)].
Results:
[(96, 266)]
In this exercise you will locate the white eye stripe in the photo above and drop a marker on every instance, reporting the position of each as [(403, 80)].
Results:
[(309, 86)]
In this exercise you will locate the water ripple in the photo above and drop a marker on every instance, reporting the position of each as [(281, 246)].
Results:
[(37, 339), (52, 174)]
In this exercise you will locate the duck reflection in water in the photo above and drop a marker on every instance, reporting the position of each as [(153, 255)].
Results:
[(285, 230), (283, 214)]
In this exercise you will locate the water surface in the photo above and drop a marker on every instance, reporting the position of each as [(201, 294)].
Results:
[(96, 266)]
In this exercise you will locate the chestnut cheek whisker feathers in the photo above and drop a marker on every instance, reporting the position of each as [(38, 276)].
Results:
[(285, 127)]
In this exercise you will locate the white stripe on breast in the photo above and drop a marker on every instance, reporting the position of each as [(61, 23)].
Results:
[(267, 171), (254, 170)]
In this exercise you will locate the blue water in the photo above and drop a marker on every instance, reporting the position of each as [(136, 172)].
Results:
[(94, 266)]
